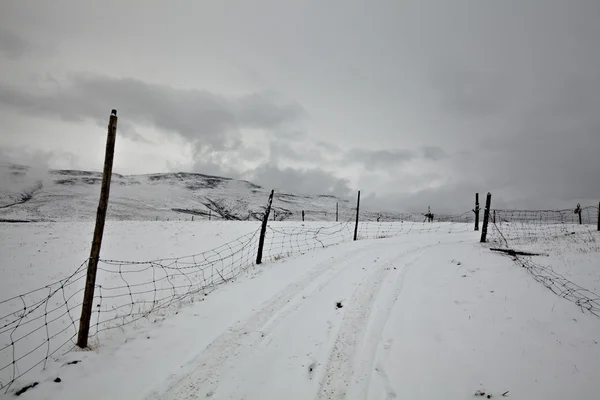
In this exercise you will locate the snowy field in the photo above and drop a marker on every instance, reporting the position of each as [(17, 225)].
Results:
[(570, 250), (423, 312)]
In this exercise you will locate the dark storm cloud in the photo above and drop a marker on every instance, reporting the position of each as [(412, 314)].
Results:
[(192, 114), (13, 46)]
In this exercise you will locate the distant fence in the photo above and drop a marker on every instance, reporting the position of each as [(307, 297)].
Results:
[(562, 242), (40, 325)]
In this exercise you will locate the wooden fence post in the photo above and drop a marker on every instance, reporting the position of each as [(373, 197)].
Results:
[(598, 216), (263, 230), (486, 217), (336, 212), (90, 283), (302, 215), (357, 210), (476, 211)]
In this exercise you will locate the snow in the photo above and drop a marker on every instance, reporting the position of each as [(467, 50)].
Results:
[(427, 312), (73, 196)]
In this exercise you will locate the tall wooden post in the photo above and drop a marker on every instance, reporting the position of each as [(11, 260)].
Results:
[(90, 283), (336, 212), (599, 217), (357, 210), (263, 229), (486, 217), (302, 215), (476, 211)]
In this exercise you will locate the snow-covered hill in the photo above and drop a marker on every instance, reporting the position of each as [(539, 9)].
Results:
[(64, 195)]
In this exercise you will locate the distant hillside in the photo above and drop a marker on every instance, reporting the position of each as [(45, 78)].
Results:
[(64, 195)]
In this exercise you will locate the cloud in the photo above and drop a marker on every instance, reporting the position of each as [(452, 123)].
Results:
[(13, 46), (297, 180), (31, 166), (433, 153), (473, 93), (329, 147), (192, 114), (379, 158)]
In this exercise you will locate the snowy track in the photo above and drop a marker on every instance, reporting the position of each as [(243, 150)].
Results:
[(301, 334), (423, 316)]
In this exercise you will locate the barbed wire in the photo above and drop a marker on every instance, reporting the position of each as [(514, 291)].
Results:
[(556, 235)]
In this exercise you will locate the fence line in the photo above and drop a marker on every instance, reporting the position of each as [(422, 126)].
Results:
[(559, 236), (42, 324)]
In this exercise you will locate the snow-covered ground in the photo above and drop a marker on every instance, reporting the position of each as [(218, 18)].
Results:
[(425, 313)]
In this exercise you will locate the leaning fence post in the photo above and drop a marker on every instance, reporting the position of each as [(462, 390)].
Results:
[(263, 230), (357, 210), (90, 283), (476, 211), (486, 217)]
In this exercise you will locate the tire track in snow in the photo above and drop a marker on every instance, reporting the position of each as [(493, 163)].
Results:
[(243, 337), (340, 371)]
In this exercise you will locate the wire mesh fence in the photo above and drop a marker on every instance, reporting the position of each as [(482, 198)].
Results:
[(567, 248), (292, 238), (542, 229), (39, 326), (42, 324)]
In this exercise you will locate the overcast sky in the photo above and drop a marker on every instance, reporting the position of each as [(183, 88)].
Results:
[(413, 102)]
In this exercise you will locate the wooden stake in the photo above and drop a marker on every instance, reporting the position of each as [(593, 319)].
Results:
[(90, 283), (476, 211), (357, 210), (486, 217), (263, 230)]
